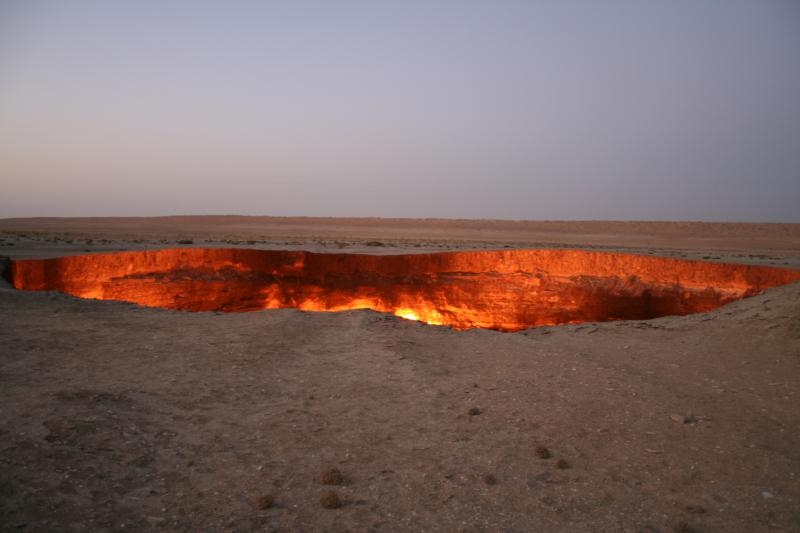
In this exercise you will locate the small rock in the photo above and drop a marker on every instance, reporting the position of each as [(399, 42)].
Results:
[(542, 452), (475, 411), (683, 527), (681, 419), (767, 495), (696, 509), (264, 502), (489, 479), (562, 464), (330, 500), (331, 477)]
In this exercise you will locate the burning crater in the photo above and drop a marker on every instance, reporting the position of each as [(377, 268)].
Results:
[(505, 290)]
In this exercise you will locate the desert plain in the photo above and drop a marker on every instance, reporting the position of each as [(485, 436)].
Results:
[(115, 417)]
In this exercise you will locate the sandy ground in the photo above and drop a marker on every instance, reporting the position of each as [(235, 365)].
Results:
[(115, 417)]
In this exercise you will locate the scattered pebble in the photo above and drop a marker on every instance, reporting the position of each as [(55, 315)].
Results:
[(688, 419), (542, 452), (330, 500), (264, 502), (331, 477)]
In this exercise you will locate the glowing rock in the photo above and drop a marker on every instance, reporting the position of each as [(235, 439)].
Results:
[(506, 290)]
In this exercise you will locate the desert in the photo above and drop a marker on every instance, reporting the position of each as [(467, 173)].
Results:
[(468, 267), (124, 417)]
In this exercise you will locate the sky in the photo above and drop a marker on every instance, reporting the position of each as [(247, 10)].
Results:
[(537, 110)]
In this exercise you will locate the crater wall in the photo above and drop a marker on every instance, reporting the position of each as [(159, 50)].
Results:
[(507, 290)]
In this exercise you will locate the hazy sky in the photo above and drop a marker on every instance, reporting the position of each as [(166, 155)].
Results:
[(656, 110)]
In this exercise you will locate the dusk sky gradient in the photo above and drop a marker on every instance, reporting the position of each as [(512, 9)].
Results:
[(620, 110)]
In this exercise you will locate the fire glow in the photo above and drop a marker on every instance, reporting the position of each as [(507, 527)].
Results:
[(506, 290)]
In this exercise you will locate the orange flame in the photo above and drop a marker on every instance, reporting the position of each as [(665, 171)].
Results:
[(506, 290)]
